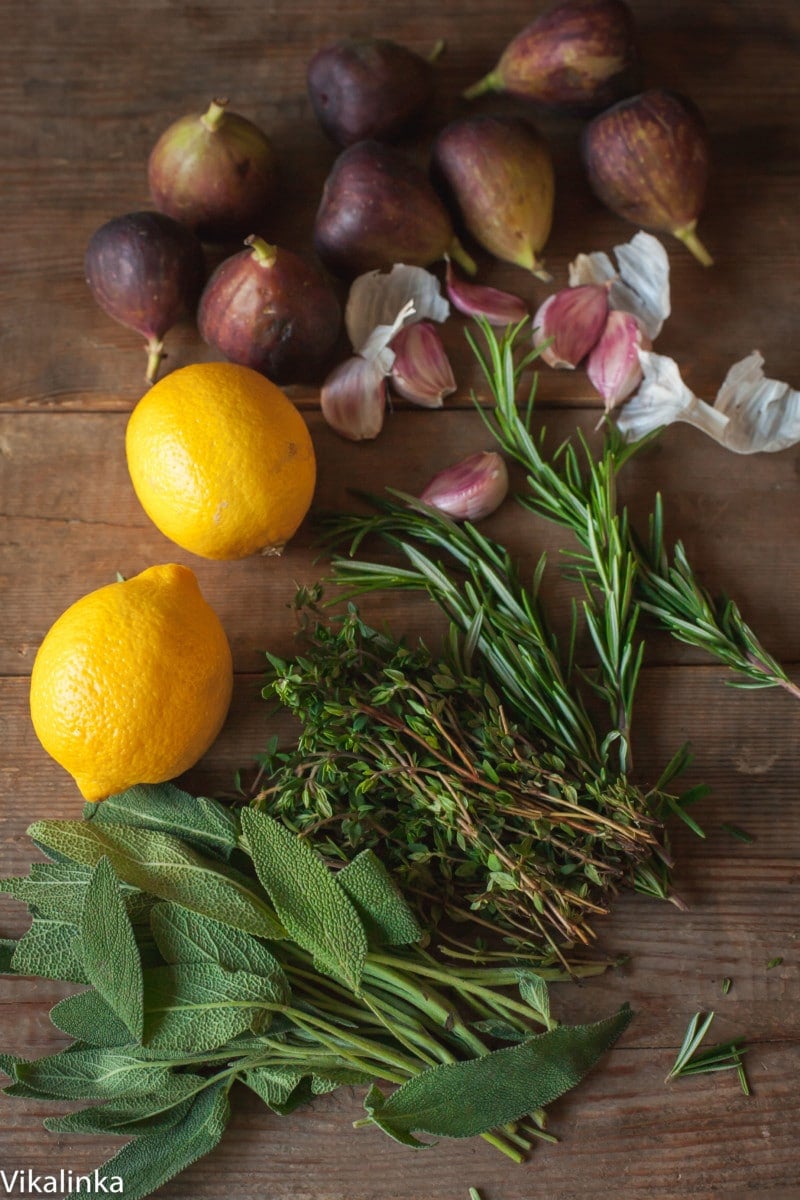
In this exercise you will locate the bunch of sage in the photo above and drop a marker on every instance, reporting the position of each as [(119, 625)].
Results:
[(218, 947)]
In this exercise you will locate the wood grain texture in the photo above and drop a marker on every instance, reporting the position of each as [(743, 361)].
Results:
[(86, 86)]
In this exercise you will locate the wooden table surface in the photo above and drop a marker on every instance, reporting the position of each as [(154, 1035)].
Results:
[(87, 86)]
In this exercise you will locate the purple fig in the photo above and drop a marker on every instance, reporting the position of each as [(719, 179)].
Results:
[(647, 160), (368, 88), (146, 271), (579, 55), (268, 309), (499, 173), (215, 172), (378, 208)]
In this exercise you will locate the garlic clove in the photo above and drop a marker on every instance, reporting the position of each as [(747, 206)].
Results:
[(474, 300), (470, 489), (641, 286), (421, 371), (613, 367), (353, 399), (574, 319)]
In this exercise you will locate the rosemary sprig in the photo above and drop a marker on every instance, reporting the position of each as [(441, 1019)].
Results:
[(671, 592), (578, 492), (726, 1056), (566, 490)]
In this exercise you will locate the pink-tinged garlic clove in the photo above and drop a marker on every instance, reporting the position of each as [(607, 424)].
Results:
[(574, 319), (353, 399), (471, 489), (474, 300), (421, 371), (613, 366)]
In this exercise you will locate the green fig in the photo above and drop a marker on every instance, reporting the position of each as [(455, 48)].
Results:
[(499, 173)]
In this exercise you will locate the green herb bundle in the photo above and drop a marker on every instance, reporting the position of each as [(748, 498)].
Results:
[(419, 758), (217, 947), (485, 773)]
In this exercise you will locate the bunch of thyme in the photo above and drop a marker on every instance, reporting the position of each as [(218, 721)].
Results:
[(481, 819)]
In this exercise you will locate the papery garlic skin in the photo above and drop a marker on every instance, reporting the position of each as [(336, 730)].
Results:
[(574, 319), (640, 286), (376, 298), (474, 300), (353, 399), (750, 414), (421, 372), (470, 489), (613, 366)]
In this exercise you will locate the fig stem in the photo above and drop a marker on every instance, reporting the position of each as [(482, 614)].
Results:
[(437, 51), (155, 353), (539, 272), (457, 252), (263, 252), (490, 83), (692, 242), (214, 114)]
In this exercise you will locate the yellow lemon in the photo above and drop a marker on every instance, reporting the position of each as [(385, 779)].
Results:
[(221, 460), (133, 682)]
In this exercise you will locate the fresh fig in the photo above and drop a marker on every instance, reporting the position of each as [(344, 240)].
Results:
[(378, 208), (499, 173), (368, 88), (268, 309), (579, 55), (647, 160), (146, 271), (215, 172)]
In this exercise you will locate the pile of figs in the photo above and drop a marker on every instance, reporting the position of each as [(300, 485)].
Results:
[(489, 186)]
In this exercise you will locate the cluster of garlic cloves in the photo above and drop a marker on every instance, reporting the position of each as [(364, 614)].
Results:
[(607, 316), (388, 319)]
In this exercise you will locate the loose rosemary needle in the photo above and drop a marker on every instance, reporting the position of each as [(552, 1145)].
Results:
[(726, 1056)]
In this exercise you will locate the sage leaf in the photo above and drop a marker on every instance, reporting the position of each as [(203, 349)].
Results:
[(317, 912), (387, 918), (108, 949), (503, 1031), (184, 937), (196, 1007), (468, 1098), (205, 824), (150, 1160), (87, 1017), (374, 1104), (7, 948), (332, 1078), (534, 992), (92, 1074), (298, 1098), (272, 1085), (58, 891), (134, 1114), (158, 863), (48, 950)]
